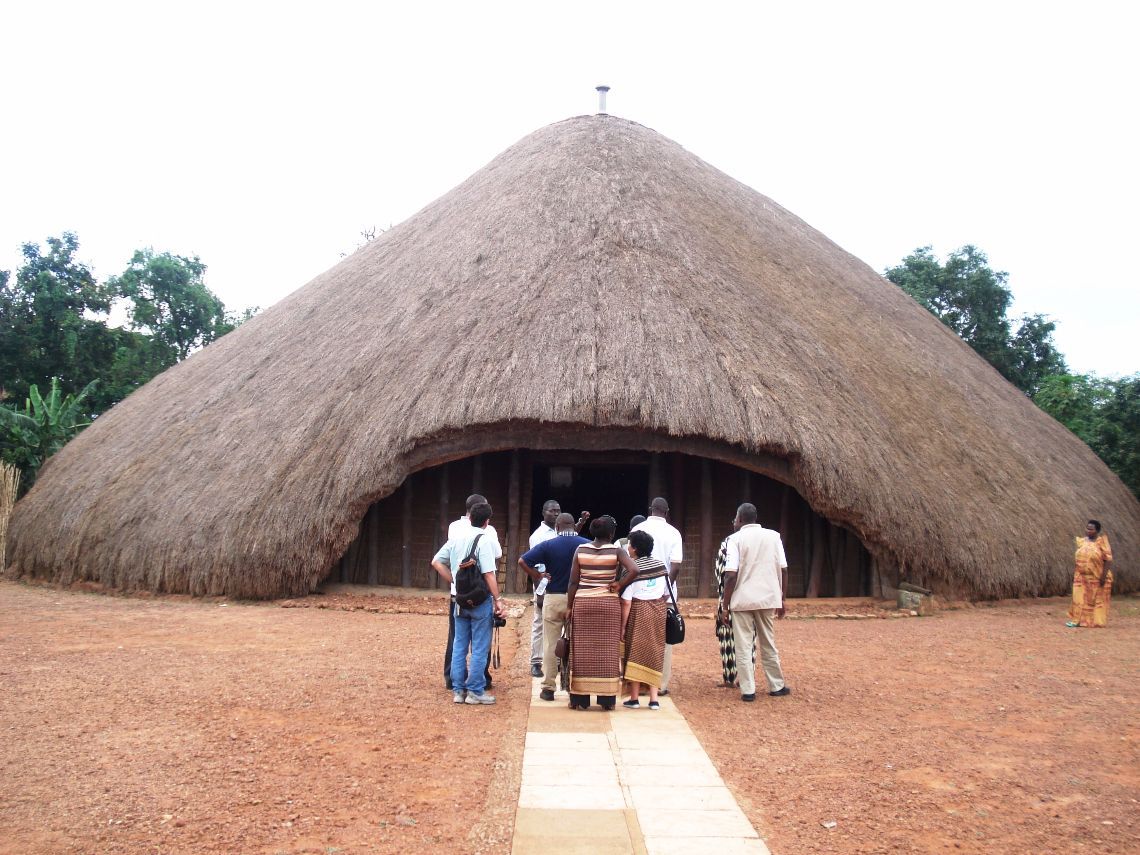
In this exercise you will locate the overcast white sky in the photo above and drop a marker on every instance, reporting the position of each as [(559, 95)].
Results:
[(264, 137)]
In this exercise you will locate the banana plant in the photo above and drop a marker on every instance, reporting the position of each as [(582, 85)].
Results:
[(30, 437)]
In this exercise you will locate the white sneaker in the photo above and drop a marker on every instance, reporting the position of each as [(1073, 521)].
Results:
[(484, 698), (458, 697)]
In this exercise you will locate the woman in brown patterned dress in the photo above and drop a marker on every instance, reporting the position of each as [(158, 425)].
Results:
[(600, 570)]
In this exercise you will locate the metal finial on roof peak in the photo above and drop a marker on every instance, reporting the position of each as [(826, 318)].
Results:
[(602, 90)]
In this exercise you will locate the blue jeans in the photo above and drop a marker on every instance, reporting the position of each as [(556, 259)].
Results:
[(472, 627)]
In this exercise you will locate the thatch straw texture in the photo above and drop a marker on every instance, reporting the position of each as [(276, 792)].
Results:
[(9, 489), (593, 277)]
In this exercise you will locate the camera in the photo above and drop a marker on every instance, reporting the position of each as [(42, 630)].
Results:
[(500, 621)]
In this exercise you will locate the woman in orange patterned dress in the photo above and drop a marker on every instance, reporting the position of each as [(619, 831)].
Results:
[(599, 572), (1092, 579)]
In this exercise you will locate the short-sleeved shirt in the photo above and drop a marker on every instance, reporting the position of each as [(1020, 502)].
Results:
[(464, 523), (455, 551), (646, 589), (666, 542), (543, 532), (757, 555), (557, 555)]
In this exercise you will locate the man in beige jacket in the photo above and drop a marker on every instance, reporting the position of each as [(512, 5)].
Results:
[(755, 579)]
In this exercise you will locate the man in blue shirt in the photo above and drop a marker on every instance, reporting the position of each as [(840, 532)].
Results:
[(472, 626), (556, 556)]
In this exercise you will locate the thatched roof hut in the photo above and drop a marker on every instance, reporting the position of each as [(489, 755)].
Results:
[(594, 290)]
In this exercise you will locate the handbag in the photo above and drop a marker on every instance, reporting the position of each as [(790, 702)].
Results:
[(674, 622), (562, 646)]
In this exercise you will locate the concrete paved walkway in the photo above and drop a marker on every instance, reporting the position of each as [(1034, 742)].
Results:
[(627, 781)]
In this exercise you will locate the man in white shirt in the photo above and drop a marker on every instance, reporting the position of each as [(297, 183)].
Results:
[(459, 529), (550, 511), (546, 530), (459, 526), (473, 623), (667, 550), (755, 579)]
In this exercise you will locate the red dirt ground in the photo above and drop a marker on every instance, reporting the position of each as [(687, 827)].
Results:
[(991, 730), (321, 726)]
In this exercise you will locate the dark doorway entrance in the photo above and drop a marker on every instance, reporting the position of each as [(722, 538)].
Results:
[(618, 490)]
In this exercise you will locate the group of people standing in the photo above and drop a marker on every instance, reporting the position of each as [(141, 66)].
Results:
[(610, 598)]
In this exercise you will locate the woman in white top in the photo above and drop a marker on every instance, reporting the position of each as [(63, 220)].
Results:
[(643, 622)]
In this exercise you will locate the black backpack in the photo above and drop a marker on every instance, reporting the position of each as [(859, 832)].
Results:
[(470, 586)]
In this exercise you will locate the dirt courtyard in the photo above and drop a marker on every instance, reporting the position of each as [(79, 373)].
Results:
[(184, 726)]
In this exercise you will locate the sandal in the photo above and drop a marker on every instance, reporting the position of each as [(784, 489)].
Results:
[(1072, 624)]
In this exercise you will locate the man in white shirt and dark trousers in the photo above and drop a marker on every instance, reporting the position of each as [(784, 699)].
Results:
[(473, 623), (455, 531), (667, 550), (755, 580), (550, 511), (546, 530)]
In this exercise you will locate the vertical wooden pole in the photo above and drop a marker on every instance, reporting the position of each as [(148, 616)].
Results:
[(708, 550), (745, 487), (861, 560), (677, 516), (852, 583), (656, 482), (785, 502), (373, 519), (444, 516), (348, 573), (818, 554), (406, 554), (676, 495), (838, 543), (526, 501), (477, 475), (805, 548), (356, 572), (512, 550)]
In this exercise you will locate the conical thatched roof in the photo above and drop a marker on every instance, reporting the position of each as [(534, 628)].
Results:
[(594, 277)]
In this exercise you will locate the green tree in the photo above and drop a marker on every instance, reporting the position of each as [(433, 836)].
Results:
[(236, 319), (1118, 442), (137, 358), (1032, 357), (170, 302), (972, 299), (1105, 413), (1075, 401), (29, 438), (53, 322), (49, 324)]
